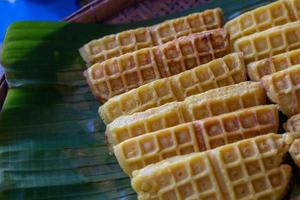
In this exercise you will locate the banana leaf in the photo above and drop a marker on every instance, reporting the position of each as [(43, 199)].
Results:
[(52, 143)]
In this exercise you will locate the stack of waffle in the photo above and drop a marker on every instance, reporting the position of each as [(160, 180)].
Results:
[(115, 45), (247, 169), (182, 119), (121, 74)]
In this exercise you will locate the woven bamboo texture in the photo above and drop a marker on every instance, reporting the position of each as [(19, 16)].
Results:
[(125, 11)]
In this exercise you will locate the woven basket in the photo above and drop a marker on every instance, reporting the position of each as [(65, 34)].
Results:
[(120, 11), (125, 11)]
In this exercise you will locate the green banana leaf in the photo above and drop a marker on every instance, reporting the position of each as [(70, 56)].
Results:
[(52, 143)]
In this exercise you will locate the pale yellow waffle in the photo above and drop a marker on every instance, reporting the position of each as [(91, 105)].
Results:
[(193, 23), (295, 152), (270, 42), (123, 73), (201, 135), (293, 124), (247, 169), (131, 40), (97, 51), (217, 73), (207, 104), (283, 88), (256, 70), (295, 6), (260, 19)]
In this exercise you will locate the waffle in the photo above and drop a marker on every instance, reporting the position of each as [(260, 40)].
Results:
[(194, 23), (270, 42), (283, 88), (260, 19), (295, 152), (256, 70), (247, 169), (293, 124), (217, 73), (201, 135), (123, 73), (208, 104), (124, 42), (295, 6)]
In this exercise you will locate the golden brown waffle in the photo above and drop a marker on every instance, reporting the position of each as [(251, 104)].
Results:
[(283, 88), (270, 42), (193, 23), (213, 102), (295, 152), (217, 73), (293, 124), (123, 73), (247, 169), (124, 42), (115, 45), (260, 19), (201, 135), (295, 7), (256, 70)]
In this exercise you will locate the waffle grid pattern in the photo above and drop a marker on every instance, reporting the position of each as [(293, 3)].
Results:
[(183, 26), (200, 183), (170, 115), (295, 5), (294, 151), (128, 41), (121, 74), (252, 169), (260, 19), (270, 42), (220, 72), (149, 124), (226, 105), (293, 124), (247, 169), (115, 45), (258, 69), (201, 135), (283, 87)]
